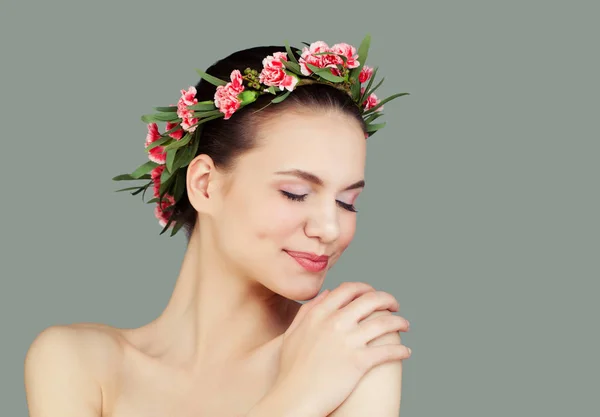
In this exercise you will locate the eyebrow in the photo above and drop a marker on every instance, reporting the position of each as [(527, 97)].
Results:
[(310, 177)]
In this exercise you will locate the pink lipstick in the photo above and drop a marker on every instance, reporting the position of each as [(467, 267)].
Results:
[(310, 261)]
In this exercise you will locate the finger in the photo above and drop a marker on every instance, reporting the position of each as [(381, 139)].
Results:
[(366, 304), (343, 295), (306, 307), (378, 354), (373, 328)]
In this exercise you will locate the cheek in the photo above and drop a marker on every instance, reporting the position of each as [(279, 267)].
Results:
[(277, 218), (347, 230)]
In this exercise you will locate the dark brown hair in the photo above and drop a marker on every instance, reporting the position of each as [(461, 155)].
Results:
[(225, 140)]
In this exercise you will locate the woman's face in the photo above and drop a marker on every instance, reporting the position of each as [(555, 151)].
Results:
[(296, 191)]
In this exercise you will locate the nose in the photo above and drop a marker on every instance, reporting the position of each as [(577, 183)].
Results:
[(323, 223)]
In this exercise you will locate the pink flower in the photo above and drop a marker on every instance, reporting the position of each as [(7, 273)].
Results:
[(155, 176), (226, 96), (365, 74), (226, 101), (188, 98), (168, 200), (189, 124), (371, 101), (156, 154), (349, 52), (177, 134), (159, 211), (273, 72), (320, 61), (237, 82)]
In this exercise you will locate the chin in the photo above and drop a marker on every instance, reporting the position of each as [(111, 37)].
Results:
[(301, 286), (289, 279)]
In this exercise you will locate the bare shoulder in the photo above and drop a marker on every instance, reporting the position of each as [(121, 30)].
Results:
[(379, 391), (92, 347), (66, 366)]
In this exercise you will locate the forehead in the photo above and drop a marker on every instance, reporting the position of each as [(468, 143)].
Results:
[(329, 144)]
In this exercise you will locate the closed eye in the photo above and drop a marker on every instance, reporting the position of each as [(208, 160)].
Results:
[(302, 197), (295, 197)]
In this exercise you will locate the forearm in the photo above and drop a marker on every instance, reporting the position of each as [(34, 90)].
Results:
[(283, 401)]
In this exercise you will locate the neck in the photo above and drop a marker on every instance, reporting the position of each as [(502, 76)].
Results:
[(215, 314)]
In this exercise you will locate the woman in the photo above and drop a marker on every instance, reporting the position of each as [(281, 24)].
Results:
[(262, 172)]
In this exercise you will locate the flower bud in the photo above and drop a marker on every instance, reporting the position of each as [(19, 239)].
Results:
[(247, 97)]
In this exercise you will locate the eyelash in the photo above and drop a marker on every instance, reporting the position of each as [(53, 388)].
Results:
[(296, 197)]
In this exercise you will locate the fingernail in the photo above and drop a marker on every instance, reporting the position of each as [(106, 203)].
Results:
[(409, 351)]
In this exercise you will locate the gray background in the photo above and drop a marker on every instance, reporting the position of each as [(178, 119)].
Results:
[(480, 214)]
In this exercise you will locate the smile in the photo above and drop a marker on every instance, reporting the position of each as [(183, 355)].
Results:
[(309, 261)]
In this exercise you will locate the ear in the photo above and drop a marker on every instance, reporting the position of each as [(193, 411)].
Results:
[(201, 179)]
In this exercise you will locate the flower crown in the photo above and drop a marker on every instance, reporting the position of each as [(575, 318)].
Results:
[(340, 66)]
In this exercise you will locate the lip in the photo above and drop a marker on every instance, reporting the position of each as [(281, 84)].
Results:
[(310, 261), (309, 255)]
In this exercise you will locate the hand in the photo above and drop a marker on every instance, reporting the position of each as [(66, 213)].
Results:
[(324, 352)]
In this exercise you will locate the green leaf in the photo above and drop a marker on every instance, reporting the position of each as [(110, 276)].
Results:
[(368, 86), (330, 77), (166, 109), (290, 54), (374, 128), (373, 117), (184, 157), (146, 188), (292, 66), (128, 188), (213, 80), (366, 94), (180, 185), (171, 130), (140, 189), (158, 142), (144, 169), (208, 119), (355, 88), (160, 117), (281, 97), (176, 228), (325, 73), (167, 225), (202, 106), (166, 179), (363, 53), (170, 159), (193, 148), (363, 49), (154, 200), (176, 144), (382, 102), (124, 177), (165, 175), (202, 114), (272, 90)]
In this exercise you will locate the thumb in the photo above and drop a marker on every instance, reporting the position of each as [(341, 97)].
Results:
[(303, 311)]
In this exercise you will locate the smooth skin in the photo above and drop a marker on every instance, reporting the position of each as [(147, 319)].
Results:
[(215, 349), (328, 349)]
